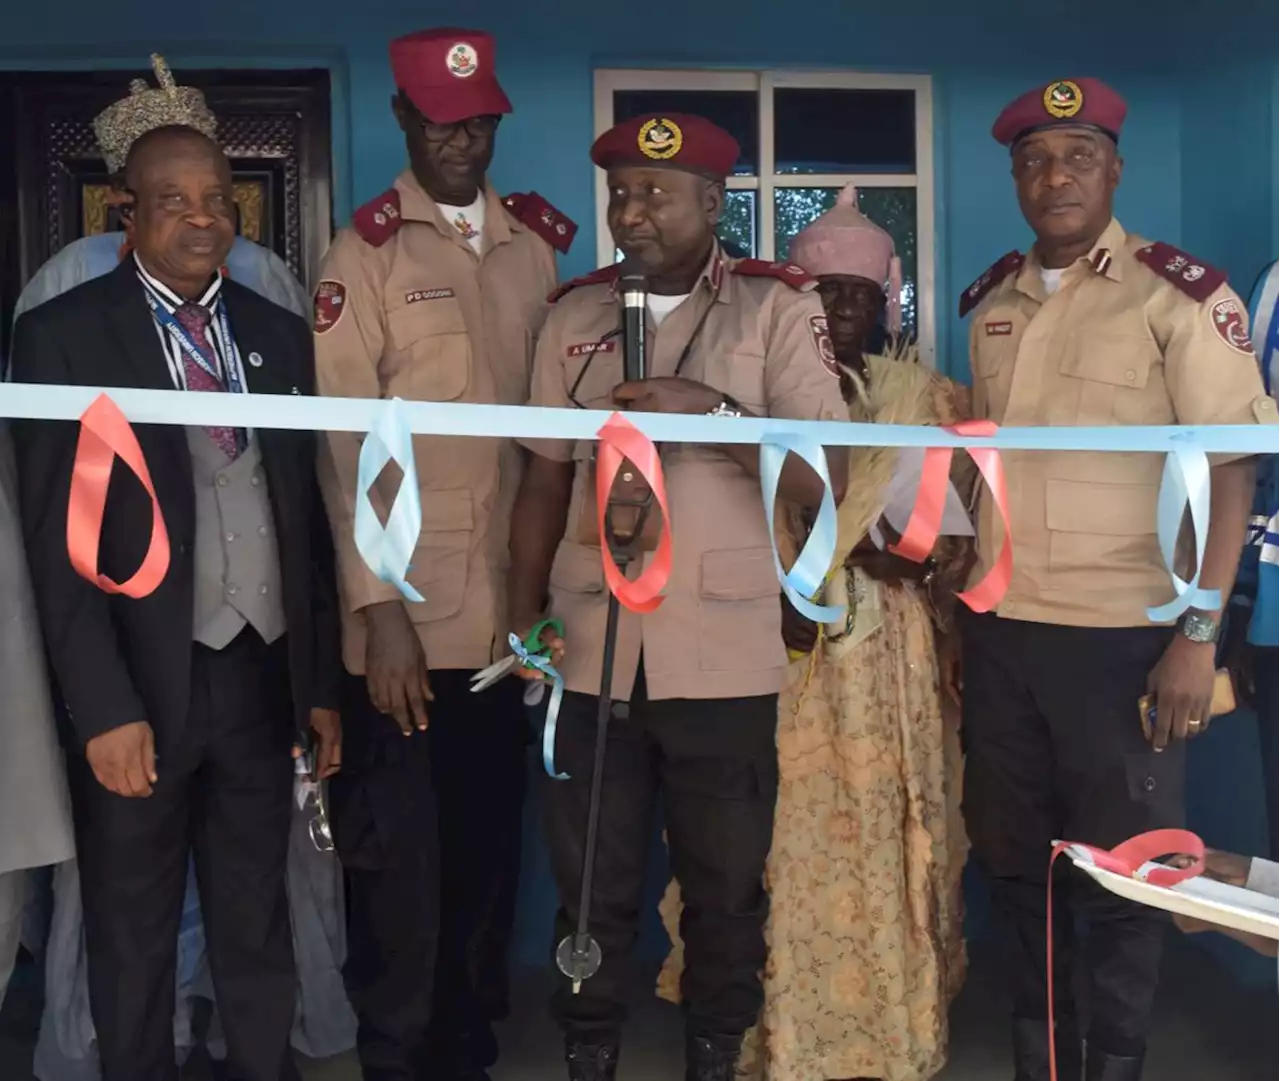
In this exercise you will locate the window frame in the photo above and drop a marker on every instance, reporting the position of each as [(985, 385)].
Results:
[(763, 83)]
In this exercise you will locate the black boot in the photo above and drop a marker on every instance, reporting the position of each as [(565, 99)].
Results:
[(711, 1058), (1103, 1067), (595, 1059), (1031, 1050)]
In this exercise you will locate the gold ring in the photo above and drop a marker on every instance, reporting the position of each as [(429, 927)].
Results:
[(1195, 726)]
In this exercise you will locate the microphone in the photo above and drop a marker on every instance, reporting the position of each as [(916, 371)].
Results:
[(634, 286)]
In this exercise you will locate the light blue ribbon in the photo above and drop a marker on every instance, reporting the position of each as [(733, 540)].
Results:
[(806, 576), (544, 665), (1185, 481), (388, 550)]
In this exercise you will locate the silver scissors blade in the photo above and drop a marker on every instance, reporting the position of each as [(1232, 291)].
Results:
[(487, 677)]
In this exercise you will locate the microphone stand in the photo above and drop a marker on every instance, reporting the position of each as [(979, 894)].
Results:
[(578, 955)]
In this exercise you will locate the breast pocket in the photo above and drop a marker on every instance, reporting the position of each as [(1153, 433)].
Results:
[(1103, 534), (740, 374), (993, 364), (432, 350), (1115, 377)]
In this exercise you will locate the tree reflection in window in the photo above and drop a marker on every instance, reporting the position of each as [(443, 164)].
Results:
[(738, 223), (893, 209)]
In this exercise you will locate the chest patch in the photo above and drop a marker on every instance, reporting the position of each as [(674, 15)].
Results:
[(821, 335), (415, 295), (330, 303), (1000, 329), (586, 349), (1231, 325)]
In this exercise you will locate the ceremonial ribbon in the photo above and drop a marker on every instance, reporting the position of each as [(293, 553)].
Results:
[(810, 568), (921, 534), (1125, 859), (620, 439), (388, 550), (1185, 480), (105, 435), (543, 664)]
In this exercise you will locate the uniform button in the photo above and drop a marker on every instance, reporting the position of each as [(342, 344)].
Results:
[(262, 590), (1131, 375), (255, 480), (232, 590), (262, 531), (1149, 784), (230, 537), (222, 481), (621, 710)]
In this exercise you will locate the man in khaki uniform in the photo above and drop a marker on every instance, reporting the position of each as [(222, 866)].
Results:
[(437, 293), (1094, 327), (695, 683)]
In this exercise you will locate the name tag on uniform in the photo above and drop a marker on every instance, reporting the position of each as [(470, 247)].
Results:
[(999, 330), (427, 294), (584, 349)]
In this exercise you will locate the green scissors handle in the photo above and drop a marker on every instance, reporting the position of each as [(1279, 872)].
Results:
[(533, 640)]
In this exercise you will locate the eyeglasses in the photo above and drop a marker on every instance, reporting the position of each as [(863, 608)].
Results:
[(476, 127)]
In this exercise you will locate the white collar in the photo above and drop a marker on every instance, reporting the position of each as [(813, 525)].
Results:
[(168, 297)]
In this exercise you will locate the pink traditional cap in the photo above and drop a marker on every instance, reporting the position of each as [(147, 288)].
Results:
[(845, 241)]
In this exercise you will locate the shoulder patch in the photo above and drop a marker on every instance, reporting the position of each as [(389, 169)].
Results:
[(605, 275), (1198, 280), (795, 276), (991, 277), (379, 219), (532, 210), (330, 305)]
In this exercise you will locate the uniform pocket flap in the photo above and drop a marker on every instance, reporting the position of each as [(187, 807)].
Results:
[(577, 569), (1111, 510), (447, 510), (425, 319), (1118, 360), (741, 574)]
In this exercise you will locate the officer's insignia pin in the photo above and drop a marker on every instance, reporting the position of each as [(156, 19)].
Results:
[(1063, 99), (660, 140)]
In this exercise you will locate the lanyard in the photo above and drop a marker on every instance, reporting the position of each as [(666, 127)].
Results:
[(166, 319)]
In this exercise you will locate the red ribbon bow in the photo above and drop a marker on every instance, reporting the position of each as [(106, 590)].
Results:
[(105, 434), (620, 439)]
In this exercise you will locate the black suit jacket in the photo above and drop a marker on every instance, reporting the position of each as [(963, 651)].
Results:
[(117, 660)]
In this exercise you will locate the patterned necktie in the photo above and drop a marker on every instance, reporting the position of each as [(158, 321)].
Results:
[(194, 319)]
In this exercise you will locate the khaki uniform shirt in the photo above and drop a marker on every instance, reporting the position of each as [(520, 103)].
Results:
[(717, 633), (1118, 343), (421, 317)]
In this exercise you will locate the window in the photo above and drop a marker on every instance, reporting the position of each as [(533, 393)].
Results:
[(804, 135)]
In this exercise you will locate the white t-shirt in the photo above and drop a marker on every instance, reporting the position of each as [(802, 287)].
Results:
[(1051, 278), (662, 306), (468, 220)]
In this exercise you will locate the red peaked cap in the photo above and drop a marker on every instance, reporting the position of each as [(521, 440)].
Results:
[(691, 144), (1074, 103), (448, 74)]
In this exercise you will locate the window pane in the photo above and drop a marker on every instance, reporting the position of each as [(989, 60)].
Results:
[(844, 131), (737, 229), (737, 111), (893, 209)]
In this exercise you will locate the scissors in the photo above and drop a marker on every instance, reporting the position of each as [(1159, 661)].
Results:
[(312, 790), (487, 677)]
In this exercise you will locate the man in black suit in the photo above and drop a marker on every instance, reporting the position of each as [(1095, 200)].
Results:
[(184, 703)]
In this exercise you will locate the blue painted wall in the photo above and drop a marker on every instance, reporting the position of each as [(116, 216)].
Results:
[(1200, 142)]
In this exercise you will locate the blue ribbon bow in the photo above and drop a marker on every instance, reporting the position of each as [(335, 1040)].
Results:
[(806, 577), (1185, 481), (544, 665), (387, 551)]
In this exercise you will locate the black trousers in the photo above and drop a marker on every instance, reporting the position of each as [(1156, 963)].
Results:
[(1266, 675), (1054, 751), (716, 765), (428, 828), (224, 792)]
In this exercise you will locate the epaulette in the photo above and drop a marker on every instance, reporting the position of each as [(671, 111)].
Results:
[(795, 276), (1198, 280), (533, 210), (606, 274), (989, 279), (379, 219)]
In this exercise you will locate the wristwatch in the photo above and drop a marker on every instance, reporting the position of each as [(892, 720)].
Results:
[(728, 407), (1199, 628)]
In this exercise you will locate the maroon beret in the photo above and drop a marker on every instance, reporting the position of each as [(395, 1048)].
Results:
[(1076, 103), (448, 74), (691, 144)]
